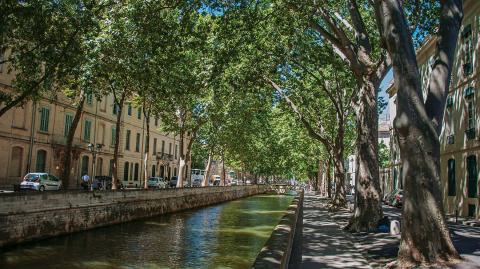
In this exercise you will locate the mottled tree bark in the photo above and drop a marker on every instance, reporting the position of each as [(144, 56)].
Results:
[(118, 125), (206, 177), (329, 179), (181, 161), (425, 236), (67, 161), (368, 208), (340, 198), (146, 114)]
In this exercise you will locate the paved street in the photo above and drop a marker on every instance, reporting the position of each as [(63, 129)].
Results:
[(325, 245)]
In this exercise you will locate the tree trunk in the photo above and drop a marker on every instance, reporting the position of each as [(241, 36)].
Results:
[(181, 161), (425, 236), (206, 176), (329, 179), (320, 182), (67, 162), (340, 198), (189, 155), (147, 147), (222, 182), (368, 207), (117, 140)]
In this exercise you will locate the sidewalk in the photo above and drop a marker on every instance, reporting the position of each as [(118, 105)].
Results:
[(324, 244)]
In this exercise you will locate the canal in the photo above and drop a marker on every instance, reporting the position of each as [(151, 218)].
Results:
[(227, 235)]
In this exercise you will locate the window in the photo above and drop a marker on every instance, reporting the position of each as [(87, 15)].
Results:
[(84, 167), (114, 136), (163, 146), (470, 131), (468, 49), (139, 113), (129, 110), (472, 176), (16, 162), (68, 124), (41, 161), (115, 109), (125, 171), (89, 98), (175, 172), (471, 211), (451, 178), (170, 148), (156, 121), (44, 117), (137, 143), (99, 166), (127, 140), (110, 168), (153, 170), (176, 151), (131, 172), (135, 176), (154, 146), (469, 92), (449, 101), (87, 130)]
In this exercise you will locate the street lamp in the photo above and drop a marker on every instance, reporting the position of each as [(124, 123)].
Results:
[(94, 149)]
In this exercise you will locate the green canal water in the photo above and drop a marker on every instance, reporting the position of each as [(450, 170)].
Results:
[(227, 235)]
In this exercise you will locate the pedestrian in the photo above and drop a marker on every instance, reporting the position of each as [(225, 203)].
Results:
[(85, 181)]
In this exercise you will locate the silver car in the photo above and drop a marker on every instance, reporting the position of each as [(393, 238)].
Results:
[(40, 182), (157, 182)]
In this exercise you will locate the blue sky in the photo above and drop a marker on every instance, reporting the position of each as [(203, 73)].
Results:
[(383, 93)]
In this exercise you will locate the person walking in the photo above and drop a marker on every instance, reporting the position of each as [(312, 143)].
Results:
[(85, 181)]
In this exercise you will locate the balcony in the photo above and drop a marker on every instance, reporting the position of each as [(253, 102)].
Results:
[(164, 157), (470, 133), (62, 141)]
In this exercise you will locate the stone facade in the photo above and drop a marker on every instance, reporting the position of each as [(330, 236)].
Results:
[(460, 136), (30, 216), (33, 136)]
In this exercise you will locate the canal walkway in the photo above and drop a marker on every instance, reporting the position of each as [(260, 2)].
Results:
[(323, 243)]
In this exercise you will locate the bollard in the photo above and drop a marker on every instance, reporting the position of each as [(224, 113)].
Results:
[(394, 227)]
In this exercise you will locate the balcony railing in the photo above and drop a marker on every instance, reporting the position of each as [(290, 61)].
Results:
[(164, 157), (62, 140)]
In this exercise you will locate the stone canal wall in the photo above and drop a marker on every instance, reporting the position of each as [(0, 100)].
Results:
[(30, 216), (278, 250)]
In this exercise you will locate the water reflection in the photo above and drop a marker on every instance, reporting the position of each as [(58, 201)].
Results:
[(227, 235)]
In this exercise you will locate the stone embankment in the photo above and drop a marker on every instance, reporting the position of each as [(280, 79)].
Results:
[(277, 251), (31, 216)]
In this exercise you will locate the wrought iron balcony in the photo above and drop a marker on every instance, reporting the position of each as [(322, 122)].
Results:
[(164, 157)]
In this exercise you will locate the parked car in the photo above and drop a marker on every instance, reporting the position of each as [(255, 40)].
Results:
[(157, 182), (102, 183), (196, 182), (397, 199), (173, 182), (40, 182), (388, 197), (391, 197)]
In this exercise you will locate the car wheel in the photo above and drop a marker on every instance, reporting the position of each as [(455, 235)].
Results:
[(42, 188)]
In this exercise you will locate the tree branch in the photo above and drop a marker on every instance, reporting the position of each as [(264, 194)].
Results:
[(310, 129)]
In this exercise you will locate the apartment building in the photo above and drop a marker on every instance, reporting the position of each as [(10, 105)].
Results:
[(33, 137), (460, 136)]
